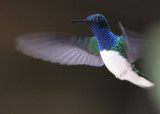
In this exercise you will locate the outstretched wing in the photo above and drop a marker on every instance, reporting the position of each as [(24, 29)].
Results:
[(60, 48), (133, 44)]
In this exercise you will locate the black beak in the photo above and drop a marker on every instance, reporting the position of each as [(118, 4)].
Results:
[(80, 21)]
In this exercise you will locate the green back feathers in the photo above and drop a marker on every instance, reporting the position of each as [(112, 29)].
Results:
[(90, 43), (93, 45), (119, 47)]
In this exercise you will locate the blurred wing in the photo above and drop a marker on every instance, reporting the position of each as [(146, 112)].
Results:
[(60, 48), (133, 43)]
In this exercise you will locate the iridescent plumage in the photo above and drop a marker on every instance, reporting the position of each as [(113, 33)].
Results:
[(118, 53), (119, 47)]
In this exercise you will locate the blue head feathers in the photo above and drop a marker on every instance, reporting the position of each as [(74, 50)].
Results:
[(97, 21), (99, 25)]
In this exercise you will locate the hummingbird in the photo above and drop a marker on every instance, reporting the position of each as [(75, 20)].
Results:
[(117, 53)]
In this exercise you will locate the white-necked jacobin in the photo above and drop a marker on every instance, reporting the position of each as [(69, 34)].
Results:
[(117, 53)]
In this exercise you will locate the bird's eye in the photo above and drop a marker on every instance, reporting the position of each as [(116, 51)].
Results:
[(97, 19)]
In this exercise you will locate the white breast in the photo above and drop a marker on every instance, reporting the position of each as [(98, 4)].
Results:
[(116, 64), (122, 69)]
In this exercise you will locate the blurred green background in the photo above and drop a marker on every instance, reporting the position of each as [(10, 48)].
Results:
[(31, 86)]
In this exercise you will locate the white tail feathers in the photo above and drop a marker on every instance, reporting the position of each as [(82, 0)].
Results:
[(134, 78)]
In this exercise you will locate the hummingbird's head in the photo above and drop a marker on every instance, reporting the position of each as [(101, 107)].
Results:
[(97, 22)]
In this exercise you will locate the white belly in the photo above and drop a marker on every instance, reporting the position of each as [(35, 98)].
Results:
[(116, 64), (122, 69)]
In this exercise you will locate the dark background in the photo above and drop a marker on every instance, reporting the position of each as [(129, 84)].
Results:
[(31, 86)]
